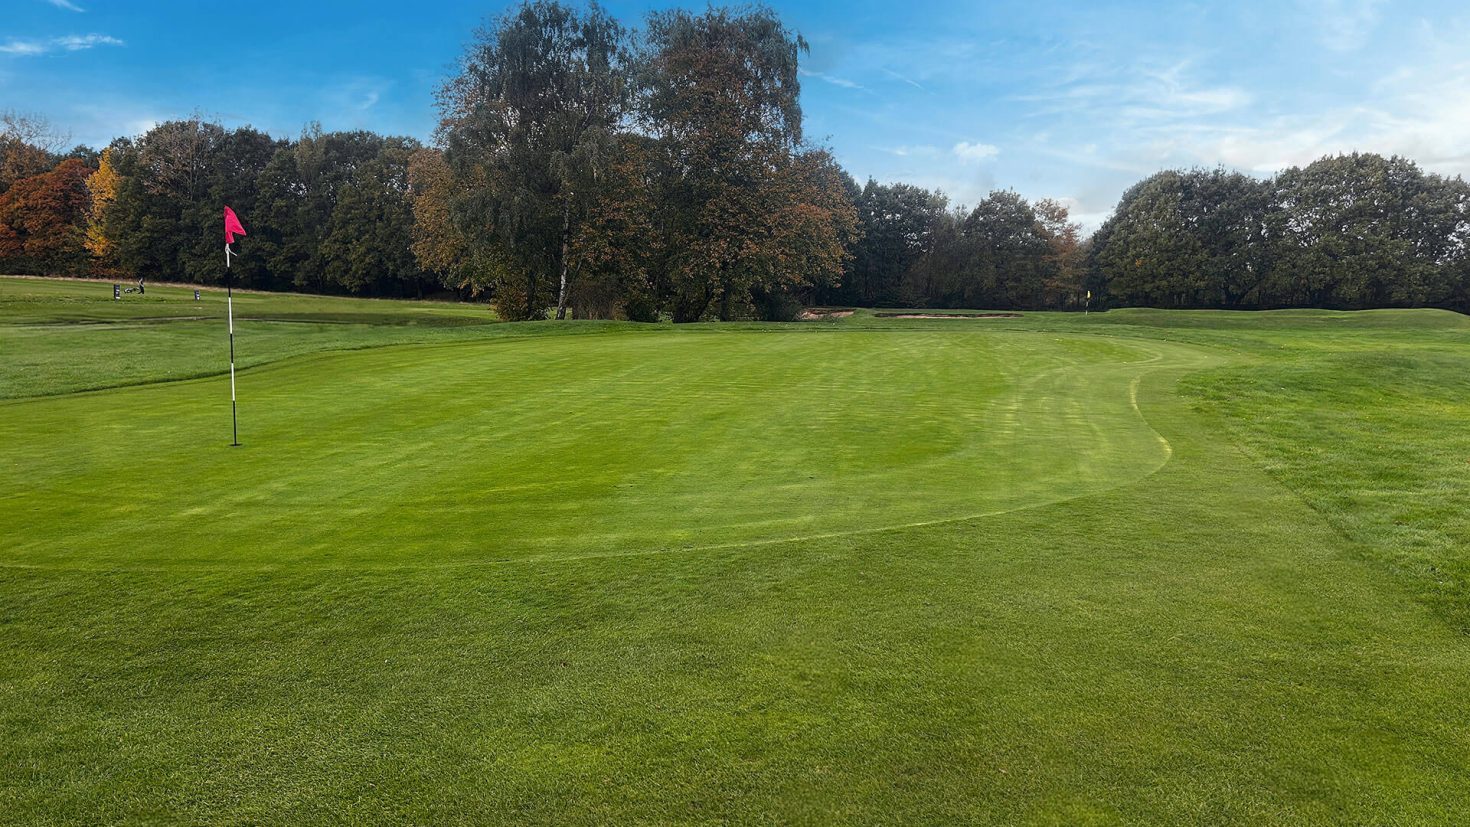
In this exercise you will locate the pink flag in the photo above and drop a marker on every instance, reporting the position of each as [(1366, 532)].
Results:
[(232, 226)]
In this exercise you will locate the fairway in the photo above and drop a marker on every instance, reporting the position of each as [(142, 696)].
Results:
[(1131, 567)]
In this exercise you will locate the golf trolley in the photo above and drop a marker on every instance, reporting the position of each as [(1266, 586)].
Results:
[(118, 290)]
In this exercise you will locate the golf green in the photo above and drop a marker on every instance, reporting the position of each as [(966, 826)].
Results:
[(1133, 567), (425, 455)]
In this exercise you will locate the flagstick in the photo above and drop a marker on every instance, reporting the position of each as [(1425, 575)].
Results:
[(230, 310)]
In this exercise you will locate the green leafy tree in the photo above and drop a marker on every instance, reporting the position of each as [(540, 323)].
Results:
[(172, 181), (1147, 251), (335, 214), (1357, 230), (367, 243), (897, 223), (528, 128)]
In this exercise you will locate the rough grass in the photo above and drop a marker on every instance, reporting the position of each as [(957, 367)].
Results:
[(734, 575)]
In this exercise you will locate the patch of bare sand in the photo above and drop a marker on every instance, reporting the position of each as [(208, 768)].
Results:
[(815, 313)]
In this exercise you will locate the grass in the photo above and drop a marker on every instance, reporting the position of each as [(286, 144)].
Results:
[(62, 336), (1134, 567)]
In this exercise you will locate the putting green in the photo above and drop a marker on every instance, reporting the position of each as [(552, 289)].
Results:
[(502, 450)]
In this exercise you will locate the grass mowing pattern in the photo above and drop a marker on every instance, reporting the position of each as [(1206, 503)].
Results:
[(642, 443), (1201, 641)]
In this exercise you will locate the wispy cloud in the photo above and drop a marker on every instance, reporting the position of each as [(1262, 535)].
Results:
[(76, 43), (903, 78), (66, 4), (1422, 116), (1343, 25), (915, 151), (66, 43), (1129, 96), (969, 152), (354, 102), (832, 79), (22, 47)]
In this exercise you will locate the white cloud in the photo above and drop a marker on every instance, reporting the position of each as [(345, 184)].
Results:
[(974, 152), (66, 4), (66, 43)]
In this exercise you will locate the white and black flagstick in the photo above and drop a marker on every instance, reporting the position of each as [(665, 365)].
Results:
[(230, 311)]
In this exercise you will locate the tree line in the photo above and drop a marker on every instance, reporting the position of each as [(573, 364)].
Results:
[(327, 212), (1347, 231), (582, 167)]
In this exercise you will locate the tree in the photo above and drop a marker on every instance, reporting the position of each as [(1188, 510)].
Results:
[(616, 248), (720, 93), (102, 186), (439, 246), (1356, 231), (1007, 264), (1003, 253), (1145, 252), (42, 221), (1449, 211), (172, 182), (1063, 263), (28, 146), (811, 227), (367, 246), (335, 214), (1195, 238), (897, 223), (528, 128)]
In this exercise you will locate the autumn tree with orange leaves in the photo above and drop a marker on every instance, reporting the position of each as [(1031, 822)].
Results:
[(43, 220)]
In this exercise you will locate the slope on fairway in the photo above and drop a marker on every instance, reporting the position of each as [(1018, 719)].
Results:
[(569, 446)]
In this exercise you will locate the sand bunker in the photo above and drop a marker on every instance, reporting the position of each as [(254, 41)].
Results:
[(814, 313)]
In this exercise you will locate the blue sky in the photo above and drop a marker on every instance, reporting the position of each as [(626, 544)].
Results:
[(1069, 100)]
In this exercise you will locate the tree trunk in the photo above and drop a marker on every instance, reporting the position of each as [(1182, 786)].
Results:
[(561, 297)]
